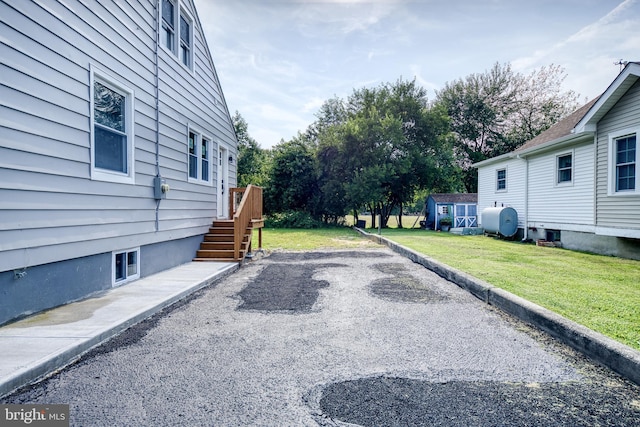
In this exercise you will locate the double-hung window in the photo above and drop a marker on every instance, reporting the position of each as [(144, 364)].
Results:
[(185, 41), (177, 31), (625, 150), (112, 145), (199, 157), (564, 168), (623, 160), (169, 24), (501, 180)]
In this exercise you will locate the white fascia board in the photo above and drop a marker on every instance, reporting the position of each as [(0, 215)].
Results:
[(557, 144), (614, 92), (493, 160), (548, 146)]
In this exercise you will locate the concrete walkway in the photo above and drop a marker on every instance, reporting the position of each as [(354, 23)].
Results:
[(44, 343)]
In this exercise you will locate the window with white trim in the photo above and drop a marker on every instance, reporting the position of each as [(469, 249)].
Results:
[(501, 180), (623, 160), (169, 24), (185, 41), (199, 157), (625, 149), (176, 29), (112, 142), (564, 168), (126, 266)]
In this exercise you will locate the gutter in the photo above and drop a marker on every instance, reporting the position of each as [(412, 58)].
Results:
[(526, 197), (551, 145), (554, 144)]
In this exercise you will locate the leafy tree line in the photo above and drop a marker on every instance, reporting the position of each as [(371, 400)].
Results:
[(380, 148)]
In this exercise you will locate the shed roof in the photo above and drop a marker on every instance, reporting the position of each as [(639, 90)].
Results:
[(455, 197)]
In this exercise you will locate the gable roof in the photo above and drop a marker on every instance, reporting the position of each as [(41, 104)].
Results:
[(627, 78), (581, 123), (454, 197), (561, 129)]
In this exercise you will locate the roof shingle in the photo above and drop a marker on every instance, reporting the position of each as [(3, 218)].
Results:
[(560, 129), (455, 197)]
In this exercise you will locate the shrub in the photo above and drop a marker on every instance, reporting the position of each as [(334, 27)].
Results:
[(291, 219), (445, 220)]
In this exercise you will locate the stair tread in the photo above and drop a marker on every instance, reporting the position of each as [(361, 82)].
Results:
[(218, 243)]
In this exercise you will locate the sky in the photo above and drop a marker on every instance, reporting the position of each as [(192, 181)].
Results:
[(279, 60)]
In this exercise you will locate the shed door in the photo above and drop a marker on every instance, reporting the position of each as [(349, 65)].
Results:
[(466, 216)]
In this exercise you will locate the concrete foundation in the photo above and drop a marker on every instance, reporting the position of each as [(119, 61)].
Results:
[(604, 245), (42, 287)]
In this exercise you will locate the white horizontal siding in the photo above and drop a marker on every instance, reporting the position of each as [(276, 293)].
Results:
[(50, 209), (514, 195), (615, 211), (567, 203)]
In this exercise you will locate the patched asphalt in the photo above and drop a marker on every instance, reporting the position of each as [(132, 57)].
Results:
[(360, 337)]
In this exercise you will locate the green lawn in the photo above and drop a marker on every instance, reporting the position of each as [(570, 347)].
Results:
[(600, 292), (306, 240)]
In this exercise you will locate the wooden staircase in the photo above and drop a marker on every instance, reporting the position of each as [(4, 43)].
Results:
[(218, 243), (230, 240)]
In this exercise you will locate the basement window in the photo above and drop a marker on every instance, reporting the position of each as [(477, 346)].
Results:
[(553, 235), (125, 266)]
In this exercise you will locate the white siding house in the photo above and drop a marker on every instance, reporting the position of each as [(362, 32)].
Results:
[(502, 184), (100, 103), (580, 184)]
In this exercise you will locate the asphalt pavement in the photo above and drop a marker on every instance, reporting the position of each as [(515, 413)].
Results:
[(359, 337)]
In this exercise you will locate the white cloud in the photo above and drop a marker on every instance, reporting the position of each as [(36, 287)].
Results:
[(279, 60), (587, 40), (588, 55), (416, 71), (338, 18), (595, 30), (313, 104)]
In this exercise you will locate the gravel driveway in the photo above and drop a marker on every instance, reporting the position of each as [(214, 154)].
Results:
[(361, 337)]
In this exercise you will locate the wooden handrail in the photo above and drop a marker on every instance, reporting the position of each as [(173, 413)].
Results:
[(247, 212)]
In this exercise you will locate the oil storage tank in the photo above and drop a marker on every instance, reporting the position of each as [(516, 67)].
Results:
[(502, 220)]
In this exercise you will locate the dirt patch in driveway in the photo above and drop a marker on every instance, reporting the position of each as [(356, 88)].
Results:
[(402, 401), (284, 288), (403, 286)]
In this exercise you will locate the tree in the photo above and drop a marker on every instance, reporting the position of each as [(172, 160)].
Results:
[(253, 161), (385, 145), (497, 111), (292, 178)]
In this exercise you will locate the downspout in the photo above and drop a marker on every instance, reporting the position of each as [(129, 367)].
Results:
[(526, 197), (157, 96)]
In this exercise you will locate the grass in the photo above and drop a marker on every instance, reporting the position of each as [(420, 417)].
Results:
[(599, 292), (306, 240)]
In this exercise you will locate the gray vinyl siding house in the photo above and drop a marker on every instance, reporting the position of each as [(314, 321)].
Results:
[(579, 181), (100, 103)]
